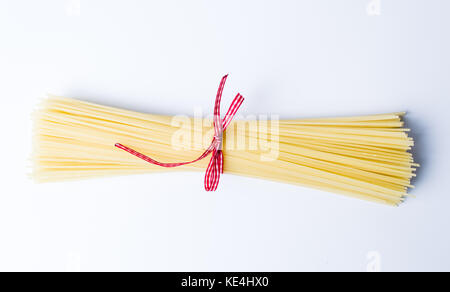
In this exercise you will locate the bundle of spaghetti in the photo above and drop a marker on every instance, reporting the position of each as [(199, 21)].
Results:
[(367, 157)]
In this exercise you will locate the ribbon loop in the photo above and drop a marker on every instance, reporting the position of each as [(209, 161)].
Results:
[(215, 166)]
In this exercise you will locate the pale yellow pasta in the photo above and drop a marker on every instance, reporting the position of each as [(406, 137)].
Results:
[(366, 157)]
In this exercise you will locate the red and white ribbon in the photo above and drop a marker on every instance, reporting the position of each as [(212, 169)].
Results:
[(215, 166)]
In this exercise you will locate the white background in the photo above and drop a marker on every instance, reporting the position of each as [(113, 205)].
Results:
[(295, 58)]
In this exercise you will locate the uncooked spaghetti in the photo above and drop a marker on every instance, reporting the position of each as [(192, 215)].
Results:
[(366, 157)]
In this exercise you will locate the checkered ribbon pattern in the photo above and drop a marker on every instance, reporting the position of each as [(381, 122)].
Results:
[(215, 166)]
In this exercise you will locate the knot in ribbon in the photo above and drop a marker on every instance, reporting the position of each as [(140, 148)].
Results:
[(215, 166)]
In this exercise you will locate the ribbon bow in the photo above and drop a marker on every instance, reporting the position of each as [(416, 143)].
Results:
[(215, 166)]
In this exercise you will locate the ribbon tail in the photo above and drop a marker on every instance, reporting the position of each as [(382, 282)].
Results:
[(163, 164), (220, 158), (235, 105), (212, 175)]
